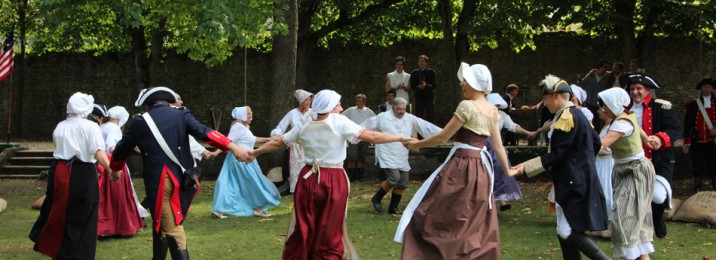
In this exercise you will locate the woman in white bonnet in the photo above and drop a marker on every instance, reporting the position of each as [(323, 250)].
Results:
[(67, 225), (317, 229), (433, 229), (292, 119), (120, 213), (632, 178), (242, 189)]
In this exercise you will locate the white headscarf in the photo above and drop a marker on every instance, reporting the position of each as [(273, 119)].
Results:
[(477, 76), (240, 113), (301, 95), (616, 99), (120, 113), (579, 93), (497, 100), (325, 101), (80, 104)]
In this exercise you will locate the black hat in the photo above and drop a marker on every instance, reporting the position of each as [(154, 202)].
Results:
[(99, 110), (706, 81), (642, 78), (560, 86), (150, 95)]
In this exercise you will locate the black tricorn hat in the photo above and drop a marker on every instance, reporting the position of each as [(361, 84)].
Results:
[(642, 78), (560, 87), (150, 95), (706, 81), (99, 110)]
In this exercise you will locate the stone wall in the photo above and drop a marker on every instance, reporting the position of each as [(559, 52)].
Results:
[(211, 93)]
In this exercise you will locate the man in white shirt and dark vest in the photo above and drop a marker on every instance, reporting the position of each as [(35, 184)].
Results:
[(355, 159)]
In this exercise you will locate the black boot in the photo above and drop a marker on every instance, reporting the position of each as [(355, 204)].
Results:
[(377, 198), (359, 173), (177, 253), (394, 202), (159, 246), (586, 246), (569, 252), (657, 213)]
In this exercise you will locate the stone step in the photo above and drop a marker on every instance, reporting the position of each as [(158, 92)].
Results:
[(22, 169), (19, 176), (33, 153), (41, 161)]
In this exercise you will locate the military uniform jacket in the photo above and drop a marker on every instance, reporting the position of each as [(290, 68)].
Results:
[(696, 130), (660, 119), (175, 125), (570, 160)]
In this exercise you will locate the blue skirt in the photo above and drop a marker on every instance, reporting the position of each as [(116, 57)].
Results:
[(242, 187)]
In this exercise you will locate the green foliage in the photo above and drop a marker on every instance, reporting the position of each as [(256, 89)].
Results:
[(206, 32)]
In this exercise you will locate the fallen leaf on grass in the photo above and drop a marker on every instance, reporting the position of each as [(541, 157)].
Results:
[(708, 244), (265, 219)]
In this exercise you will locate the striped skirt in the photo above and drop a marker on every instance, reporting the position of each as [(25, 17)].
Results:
[(633, 228)]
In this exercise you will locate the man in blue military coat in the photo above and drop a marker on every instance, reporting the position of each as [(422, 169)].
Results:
[(168, 201), (574, 144)]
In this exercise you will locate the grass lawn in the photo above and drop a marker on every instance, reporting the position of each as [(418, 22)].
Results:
[(527, 231)]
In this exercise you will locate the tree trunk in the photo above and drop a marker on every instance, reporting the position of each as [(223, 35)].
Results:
[(283, 66), (449, 84), (141, 59), (625, 28), (157, 41), (462, 43)]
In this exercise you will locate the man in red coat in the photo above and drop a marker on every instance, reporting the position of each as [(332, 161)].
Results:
[(656, 117), (699, 134)]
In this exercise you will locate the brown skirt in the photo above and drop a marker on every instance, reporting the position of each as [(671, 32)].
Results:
[(453, 221)]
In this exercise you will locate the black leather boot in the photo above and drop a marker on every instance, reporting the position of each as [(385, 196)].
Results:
[(657, 211), (394, 202), (586, 246), (359, 173), (377, 198), (159, 246), (177, 253), (349, 172), (569, 252)]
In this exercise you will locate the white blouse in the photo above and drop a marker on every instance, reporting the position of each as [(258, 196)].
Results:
[(292, 119), (112, 134), (77, 137), (506, 122), (242, 136), (324, 141), (395, 80)]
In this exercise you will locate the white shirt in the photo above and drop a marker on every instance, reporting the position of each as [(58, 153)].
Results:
[(196, 148), (324, 142), (77, 137), (394, 155), (707, 101), (506, 122), (242, 136), (638, 110), (292, 119), (112, 134), (358, 115), (395, 80)]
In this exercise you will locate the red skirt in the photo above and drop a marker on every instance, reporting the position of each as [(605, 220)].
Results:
[(320, 210), (118, 213)]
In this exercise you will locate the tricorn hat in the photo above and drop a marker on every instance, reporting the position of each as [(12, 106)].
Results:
[(151, 95), (706, 81), (642, 78)]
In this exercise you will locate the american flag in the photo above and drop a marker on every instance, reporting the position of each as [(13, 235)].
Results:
[(6, 60)]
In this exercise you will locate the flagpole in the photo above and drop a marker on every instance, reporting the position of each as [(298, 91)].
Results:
[(9, 110)]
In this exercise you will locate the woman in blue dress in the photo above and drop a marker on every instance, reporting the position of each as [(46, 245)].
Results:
[(242, 189)]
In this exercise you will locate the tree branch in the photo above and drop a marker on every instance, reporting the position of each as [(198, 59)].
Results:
[(344, 21)]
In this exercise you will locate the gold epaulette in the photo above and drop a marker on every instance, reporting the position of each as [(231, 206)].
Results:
[(565, 121), (664, 104)]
